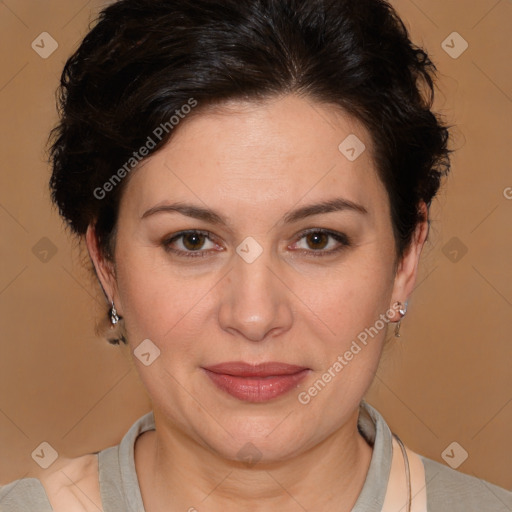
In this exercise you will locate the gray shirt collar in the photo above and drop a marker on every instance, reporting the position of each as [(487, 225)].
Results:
[(120, 489)]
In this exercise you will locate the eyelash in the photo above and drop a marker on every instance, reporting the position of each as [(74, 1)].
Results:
[(341, 238)]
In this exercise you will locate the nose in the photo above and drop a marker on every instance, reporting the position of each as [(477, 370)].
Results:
[(255, 302)]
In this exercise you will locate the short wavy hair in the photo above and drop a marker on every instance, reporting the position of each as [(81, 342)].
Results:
[(143, 60)]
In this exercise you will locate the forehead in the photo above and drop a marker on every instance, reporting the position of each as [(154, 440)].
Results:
[(261, 153)]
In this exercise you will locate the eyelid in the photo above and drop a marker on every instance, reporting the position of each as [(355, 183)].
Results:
[(343, 240), (167, 241), (334, 234)]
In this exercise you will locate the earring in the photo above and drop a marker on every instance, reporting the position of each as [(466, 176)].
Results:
[(114, 317), (402, 311)]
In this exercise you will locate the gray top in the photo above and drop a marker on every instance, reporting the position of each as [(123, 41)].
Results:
[(447, 490)]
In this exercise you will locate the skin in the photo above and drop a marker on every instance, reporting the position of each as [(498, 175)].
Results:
[(252, 163)]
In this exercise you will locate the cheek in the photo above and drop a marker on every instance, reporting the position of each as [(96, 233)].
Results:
[(152, 300), (351, 298), (354, 307), (353, 303), (162, 303)]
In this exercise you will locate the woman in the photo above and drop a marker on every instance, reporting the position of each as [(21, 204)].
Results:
[(252, 180)]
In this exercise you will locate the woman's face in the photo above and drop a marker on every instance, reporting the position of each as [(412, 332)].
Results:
[(259, 282)]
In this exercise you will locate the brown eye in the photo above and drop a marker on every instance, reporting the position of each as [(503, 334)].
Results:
[(193, 241), (317, 240), (321, 242)]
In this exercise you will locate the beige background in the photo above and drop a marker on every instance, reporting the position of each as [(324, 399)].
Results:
[(448, 377)]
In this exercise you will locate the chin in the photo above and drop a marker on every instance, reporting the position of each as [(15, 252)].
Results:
[(266, 440)]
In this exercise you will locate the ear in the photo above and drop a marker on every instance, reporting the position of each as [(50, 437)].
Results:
[(407, 270), (105, 270)]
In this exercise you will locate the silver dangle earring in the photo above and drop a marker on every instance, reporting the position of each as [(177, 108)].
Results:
[(402, 311), (114, 317)]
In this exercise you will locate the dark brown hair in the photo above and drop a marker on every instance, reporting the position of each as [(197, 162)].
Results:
[(144, 60)]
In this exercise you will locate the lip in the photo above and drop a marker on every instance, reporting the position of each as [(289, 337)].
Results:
[(256, 383)]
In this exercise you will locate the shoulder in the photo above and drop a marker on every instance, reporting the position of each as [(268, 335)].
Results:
[(68, 485), (448, 489), (24, 494)]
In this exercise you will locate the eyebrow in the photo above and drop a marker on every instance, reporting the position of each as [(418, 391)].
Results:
[(207, 215)]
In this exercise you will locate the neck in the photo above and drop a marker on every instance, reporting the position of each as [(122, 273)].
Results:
[(173, 468)]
